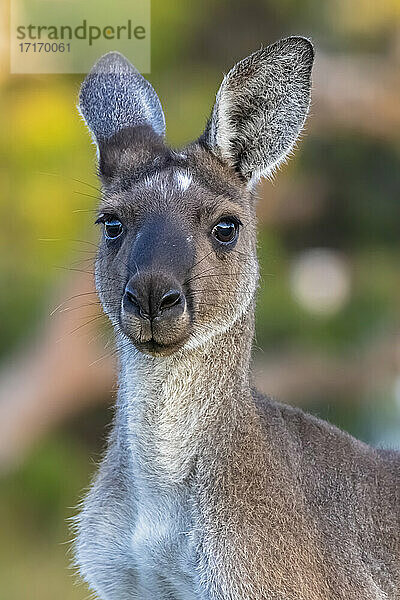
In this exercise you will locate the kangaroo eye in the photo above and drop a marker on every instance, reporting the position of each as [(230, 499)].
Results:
[(112, 228), (226, 231)]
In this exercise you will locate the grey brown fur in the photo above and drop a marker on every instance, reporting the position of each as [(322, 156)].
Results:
[(208, 490)]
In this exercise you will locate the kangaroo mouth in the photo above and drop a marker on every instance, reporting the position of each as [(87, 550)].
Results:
[(156, 340), (155, 348)]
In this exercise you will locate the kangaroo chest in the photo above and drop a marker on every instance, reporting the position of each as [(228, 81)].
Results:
[(163, 548), (163, 544)]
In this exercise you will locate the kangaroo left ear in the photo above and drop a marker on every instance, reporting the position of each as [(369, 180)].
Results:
[(115, 96), (261, 108)]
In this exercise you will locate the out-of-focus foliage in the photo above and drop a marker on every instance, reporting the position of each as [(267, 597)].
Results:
[(342, 195)]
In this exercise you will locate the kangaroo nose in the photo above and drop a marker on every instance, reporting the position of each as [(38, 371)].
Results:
[(151, 299)]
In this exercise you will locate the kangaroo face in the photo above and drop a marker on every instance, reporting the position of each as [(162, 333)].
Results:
[(177, 256), (177, 260)]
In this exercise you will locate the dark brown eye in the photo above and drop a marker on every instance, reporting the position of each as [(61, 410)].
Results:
[(226, 231), (112, 228)]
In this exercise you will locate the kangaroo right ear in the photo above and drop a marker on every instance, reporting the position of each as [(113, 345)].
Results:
[(115, 96), (261, 108)]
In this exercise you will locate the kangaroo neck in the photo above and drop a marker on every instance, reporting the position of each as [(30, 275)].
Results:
[(168, 407)]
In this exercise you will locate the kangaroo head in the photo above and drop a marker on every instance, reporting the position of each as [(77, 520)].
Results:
[(177, 260)]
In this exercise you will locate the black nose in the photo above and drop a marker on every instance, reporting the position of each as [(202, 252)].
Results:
[(151, 298)]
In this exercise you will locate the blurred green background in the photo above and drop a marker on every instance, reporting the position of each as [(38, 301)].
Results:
[(328, 320)]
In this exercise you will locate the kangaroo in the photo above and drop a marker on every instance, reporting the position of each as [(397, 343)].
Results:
[(208, 490)]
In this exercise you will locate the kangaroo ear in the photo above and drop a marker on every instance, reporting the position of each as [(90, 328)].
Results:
[(261, 108), (115, 96)]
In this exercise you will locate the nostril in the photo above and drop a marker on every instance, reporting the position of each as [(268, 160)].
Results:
[(134, 304), (170, 299), (132, 298)]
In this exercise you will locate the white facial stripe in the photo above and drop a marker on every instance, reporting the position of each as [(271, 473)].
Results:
[(153, 181), (183, 180)]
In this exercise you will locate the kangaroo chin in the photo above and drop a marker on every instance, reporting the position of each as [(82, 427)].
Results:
[(208, 490)]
